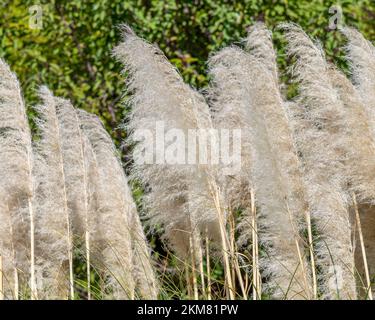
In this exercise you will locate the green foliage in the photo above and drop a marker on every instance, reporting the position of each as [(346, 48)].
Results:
[(71, 53)]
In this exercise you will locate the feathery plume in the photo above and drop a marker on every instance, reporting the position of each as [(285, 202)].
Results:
[(71, 139), (360, 160), (55, 245), (162, 104), (358, 138), (361, 103), (16, 165), (319, 115), (161, 98), (166, 200), (361, 55), (259, 45), (116, 210), (92, 224), (247, 97), (75, 167)]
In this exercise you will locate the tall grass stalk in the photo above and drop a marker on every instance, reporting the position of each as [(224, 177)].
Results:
[(224, 242), (257, 282), (193, 270), (363, 249), (201, 271), (1, 279), (208, 266)]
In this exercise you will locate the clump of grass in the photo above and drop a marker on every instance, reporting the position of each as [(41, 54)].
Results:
[(67, 192), (284, 226), (17, 244)]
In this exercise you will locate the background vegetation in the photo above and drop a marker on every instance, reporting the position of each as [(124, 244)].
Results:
[(72, 52)]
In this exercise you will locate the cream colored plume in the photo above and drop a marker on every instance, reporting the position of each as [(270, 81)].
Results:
[(319, 116), (127, 261), (54, 216), (361, 55), (16, 166), (161, 98), (247, 97)]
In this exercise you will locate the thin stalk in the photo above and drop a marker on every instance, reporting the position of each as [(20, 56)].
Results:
[(70, 255), (259, 278), (16, 285), (34, 293), (208, 267), (240, 280), (312, 257), (236, 269), (256, 284), (1, 279), (367, 274), (69, 232), (15, 272), (85, 193), (193, 271), (88, 264), (303, 269), (224, 243), (188, 282), (201, 269), (231, 248), (246, 283)]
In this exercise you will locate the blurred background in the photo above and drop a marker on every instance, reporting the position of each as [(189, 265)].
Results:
[(67, 45)]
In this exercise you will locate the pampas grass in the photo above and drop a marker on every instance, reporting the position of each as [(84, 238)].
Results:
[(280, 231), (114, 212), (359, 140), (54, 215), (320, 120), (177, 107), (293, 222), (269, 101), (75, 168), (189, 188), (361, 56), (16, 166), (148, 72), (69, 187), (123, 246), (359, 100)]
